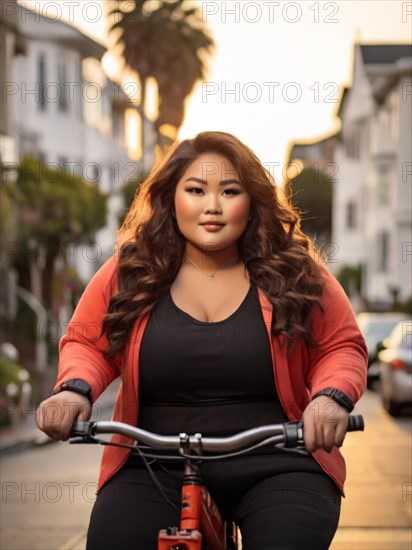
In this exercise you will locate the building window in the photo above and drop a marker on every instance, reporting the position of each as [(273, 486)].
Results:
[(383, 251), (383, 186), (351, 221), (78, 94), (78, 168), (118, 128), (41, 81), (62, 85), (62, 162), (366, 135), (353, 141), (383, 126), (394, 115), (112, 180)]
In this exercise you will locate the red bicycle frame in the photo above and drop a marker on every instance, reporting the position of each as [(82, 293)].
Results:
[(200, 520)]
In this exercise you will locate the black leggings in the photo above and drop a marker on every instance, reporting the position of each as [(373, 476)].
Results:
[(286, 511)]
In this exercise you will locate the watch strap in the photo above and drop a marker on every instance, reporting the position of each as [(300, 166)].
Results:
[(76, 385), (339, 396)]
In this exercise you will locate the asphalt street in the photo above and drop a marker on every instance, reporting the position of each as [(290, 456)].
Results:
[(48, 490)]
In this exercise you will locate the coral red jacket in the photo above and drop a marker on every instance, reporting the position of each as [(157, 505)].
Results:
[(341, 361)]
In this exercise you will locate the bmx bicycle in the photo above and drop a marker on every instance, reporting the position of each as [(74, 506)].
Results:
[(201, 524)]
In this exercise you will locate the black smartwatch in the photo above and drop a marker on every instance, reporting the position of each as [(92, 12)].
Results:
[(77, 385), (341, 398)]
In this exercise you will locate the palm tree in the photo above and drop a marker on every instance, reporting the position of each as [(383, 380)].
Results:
[(168, 43), (184, 50)]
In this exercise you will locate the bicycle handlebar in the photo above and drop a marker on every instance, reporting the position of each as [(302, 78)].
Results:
[(289, 434), (355, 423)]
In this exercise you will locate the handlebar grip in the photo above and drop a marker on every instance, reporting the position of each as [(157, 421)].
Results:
[(79, 428), (81, 432), (355, 423)]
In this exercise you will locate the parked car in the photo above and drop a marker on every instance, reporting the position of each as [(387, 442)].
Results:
[(375, 327), (395, 365)]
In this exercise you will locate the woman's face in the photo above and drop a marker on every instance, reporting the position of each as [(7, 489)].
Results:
[(210, 191)]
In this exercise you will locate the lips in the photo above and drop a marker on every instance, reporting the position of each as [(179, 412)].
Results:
[(212, 226)]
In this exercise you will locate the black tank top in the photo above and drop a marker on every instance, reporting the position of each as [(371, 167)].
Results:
[(213, 378)]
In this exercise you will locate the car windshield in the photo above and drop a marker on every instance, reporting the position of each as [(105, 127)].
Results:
[(379, 329), (401, 336)]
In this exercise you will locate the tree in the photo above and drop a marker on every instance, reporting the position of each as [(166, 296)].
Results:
[(168, 43), (8, 235), (350, 277), (129, 190), (311, 193), (53, 208)]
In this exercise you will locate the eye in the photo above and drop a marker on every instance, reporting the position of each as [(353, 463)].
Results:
[(232, 191), (195, 190)]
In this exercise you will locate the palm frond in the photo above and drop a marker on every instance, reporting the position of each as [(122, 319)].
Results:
[(169, 43)]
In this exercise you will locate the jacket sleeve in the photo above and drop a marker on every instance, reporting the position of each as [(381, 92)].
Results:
[(81, 348), (340, 359)]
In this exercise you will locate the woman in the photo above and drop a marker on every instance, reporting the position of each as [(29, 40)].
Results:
[(219, 316)]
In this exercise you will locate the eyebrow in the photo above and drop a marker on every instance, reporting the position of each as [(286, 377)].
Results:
[(204, 182)]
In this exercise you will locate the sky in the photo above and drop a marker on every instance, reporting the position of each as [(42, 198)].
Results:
[(279, 67)]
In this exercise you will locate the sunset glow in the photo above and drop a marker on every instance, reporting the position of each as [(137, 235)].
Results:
[(279, 67)]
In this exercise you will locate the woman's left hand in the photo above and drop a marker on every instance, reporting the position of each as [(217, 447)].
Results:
[(324, 424)]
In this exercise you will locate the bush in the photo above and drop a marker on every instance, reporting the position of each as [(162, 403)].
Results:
[(406, 306), (350, 275), (14, 381)]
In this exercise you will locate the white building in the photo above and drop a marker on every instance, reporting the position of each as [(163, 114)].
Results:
[(12, 44), (372, 197), (68, 113), (372, 173)]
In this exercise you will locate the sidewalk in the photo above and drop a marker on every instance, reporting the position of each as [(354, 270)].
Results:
[(25, 433)]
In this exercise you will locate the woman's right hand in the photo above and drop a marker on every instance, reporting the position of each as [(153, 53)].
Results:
[(57, 414)]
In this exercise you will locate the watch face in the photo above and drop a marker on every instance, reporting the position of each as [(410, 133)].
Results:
[(80, 385), (77, 385)]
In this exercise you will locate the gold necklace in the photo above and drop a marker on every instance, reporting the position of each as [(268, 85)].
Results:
[(210, 277)]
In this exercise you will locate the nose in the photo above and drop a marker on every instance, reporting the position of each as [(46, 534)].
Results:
[(212, 205)]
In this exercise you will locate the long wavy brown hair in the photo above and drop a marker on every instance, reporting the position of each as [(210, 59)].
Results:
[(279, 258)]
